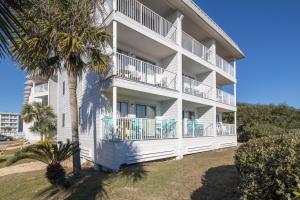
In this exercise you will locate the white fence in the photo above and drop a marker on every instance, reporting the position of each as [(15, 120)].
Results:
[(195, 47), (225, 97), (148, 18), (226, 129), (225, 66), (139, 129), (138, 70), (196, 88), (195, 128), (14, 134)]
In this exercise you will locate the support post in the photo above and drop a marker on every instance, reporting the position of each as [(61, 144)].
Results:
[(114, 47), (114, 109), (179, 85)]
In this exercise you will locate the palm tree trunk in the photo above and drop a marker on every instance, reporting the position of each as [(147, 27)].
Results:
[(72, 80)]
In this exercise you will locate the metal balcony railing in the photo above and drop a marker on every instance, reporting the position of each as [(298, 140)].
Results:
[(225, 97), (140, 71), (226, 129), (138, 129), (196, 88)]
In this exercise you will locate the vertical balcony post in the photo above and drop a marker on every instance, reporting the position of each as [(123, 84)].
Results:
[(235, 125), (114, 5), (114, 109), (114, 47)]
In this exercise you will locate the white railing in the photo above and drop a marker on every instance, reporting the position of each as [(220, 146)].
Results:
[(226, 129), (138, 129), (195, 47), (148, 18), (196, 88), (14, 134), (225, 66), (138, 70), (225, 97), (41, 88), (195, 128)]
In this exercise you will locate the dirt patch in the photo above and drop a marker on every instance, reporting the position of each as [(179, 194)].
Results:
[(21, 168)]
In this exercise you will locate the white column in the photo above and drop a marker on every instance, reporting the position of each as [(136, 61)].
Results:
[(114, 4), (179, 84), (234, 85), (114, 46), (114, 108), (235, 121)]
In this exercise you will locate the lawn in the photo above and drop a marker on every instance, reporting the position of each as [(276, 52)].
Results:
[(209, 175), (9, 154)]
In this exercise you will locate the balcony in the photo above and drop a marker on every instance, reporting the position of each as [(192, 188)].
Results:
[(138, 129), (225, 66), (194, 128), (226, 129), (226, 98), (137, 70), (192, 45), (41, 89), (146, 17), (196, 88)]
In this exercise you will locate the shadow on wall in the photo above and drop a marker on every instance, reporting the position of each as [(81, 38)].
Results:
[(218, 183)]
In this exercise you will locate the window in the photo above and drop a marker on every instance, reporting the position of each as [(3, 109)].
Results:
[(63, 120), (144, 111), (122, 109), (64, 88), (80, 115)]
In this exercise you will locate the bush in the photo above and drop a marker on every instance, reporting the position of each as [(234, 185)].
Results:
[(253, 131), (269, 168)]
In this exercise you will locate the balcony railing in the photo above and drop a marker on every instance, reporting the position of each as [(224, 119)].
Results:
[(140, 71), (138, 129), (148, 18), (195, 47), (195, 128), (225, 97), (41, 88), (226, 129), (196, 88), (225, 66)]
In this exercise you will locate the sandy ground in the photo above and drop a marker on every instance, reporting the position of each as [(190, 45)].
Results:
[(25, 167)]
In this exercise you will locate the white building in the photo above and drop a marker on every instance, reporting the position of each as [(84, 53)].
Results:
[(10, 120), (42, 91), (163, 96)]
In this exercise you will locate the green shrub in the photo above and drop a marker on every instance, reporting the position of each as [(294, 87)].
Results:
[(269, 168), (253, 131)]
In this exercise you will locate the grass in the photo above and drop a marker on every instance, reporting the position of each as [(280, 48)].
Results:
[(9, 154), (209, 175)]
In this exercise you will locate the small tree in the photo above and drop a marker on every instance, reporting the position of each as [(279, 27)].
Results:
[(7, 129), (43, 118), (52, 155)]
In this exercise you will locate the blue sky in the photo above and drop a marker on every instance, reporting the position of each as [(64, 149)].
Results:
[(268, 32)]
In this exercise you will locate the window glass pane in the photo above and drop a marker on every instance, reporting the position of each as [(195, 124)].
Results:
[(151, 112), (122, 109), (140, 111)]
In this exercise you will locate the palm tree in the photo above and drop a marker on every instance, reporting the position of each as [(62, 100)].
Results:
[(63, 37), (43, 118), (51, 154), (8, 25), (7, 129)]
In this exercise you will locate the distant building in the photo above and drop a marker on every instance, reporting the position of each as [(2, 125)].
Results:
[(12, 121)]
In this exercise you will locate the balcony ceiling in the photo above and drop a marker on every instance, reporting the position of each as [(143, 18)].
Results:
[(193, 67), (142, 43)]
